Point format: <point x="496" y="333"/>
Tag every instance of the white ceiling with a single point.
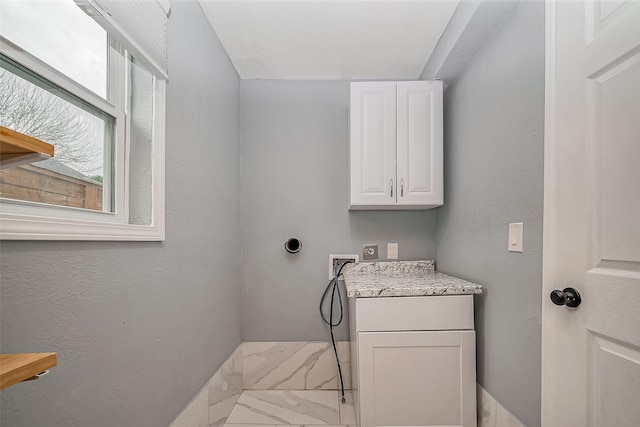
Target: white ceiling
<point x="324" y="40"/>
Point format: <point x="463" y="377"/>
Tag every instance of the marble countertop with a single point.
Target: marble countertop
<point x="403" y="278"/>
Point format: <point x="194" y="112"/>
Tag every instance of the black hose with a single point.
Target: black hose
<point x="333" y="285"/>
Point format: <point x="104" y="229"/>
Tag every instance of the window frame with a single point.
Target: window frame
<point x="23" y="220"/>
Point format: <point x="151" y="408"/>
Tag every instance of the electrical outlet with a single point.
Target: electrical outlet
<point x="341" y="259"/>
<point x="369" y="251"/>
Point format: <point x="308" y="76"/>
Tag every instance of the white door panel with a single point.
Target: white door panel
<point x="613" y="114"/>
<point x="591" y="354"/>
<point x="615" y="375"/>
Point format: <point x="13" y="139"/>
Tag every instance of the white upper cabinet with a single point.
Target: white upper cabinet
<point x="396" y="145"/>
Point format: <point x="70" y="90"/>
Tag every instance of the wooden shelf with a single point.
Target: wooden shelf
<point x="15" y="368"/>
<point x="16" y="148"/>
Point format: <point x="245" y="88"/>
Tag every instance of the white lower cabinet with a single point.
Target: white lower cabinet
<point x="417" y="376"/>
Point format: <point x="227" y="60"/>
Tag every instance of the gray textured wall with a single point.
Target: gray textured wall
<point x="140" y="327"/>
<point x="494" y="115"/>
<point x="295" y="183"/>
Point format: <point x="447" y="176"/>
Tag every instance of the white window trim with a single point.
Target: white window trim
<point x="35" y="221"/>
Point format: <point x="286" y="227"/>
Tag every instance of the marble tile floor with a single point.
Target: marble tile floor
<point x="276" y="408"/>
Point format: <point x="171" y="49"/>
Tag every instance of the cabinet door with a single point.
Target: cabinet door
<point x="419" y="143"/>
<point x="372" y="153"/>
<point x="417" y="378"/>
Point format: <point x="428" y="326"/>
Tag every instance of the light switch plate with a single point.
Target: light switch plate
<point x="392" y="251"/>
<point x="369" y="252"/>
<point x="515" y="236"/>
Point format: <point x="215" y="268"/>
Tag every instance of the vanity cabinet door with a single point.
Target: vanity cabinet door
<point x="424" y="378"/>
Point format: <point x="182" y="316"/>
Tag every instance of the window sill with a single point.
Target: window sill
<point x="22" y="227"/>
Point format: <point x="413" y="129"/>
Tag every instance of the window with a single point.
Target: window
<point x="82" y="84"/>
<point x="79" y="175"/>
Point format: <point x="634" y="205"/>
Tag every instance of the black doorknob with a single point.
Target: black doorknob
<point x="568" y="296"/>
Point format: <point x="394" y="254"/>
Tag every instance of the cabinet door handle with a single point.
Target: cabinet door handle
<point x="391" y="187"/>
<point x="401" y="187"/>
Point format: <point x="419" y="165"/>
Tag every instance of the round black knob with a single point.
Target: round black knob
<point x="568" y="296"/>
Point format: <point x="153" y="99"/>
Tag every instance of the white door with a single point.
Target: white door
<point x="372" y="152"/>
<point x="420" y="176"/>
<point x="591" y="354"/>
<point x="417" y="378"/>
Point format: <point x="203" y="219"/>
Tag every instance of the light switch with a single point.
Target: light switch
<point x="515" y="236"/>
<point x="392" y="251"/>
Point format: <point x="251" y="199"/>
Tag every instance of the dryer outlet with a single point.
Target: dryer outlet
<point x="341" y="259"/>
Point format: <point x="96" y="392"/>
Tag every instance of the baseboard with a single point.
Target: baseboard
<point x="492" y="414"/>
<point x="300" y="365"/>
<point x="303" y="365"/>
<point x="214" y="402"/>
